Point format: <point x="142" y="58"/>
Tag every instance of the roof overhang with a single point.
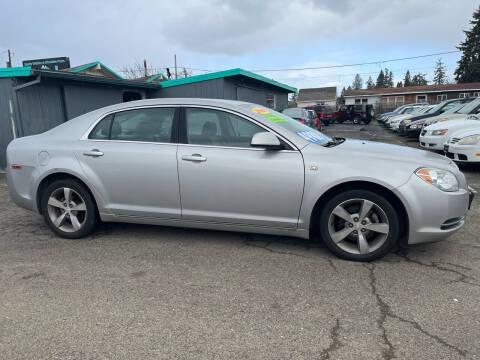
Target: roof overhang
<point x="224" y="74"/>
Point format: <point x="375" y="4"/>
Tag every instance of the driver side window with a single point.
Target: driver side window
<point x="219" y="128"/>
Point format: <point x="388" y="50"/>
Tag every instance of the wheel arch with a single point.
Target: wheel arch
<point x="362" y="185"/>
<point x="47" y="180"/>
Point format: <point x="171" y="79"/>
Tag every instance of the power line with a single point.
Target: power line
<point x="363" y="73"/>
<point x="359" y="64"/>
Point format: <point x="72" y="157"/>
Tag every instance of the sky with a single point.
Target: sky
<point x="212" y="35"/>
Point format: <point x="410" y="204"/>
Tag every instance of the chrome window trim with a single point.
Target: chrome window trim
<point x="84" y="137"/>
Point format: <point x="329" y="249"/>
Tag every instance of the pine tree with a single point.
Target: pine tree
<point x="419" y="80"/>
<point x="370" y="83"/>
<point x="380" y="80"/>
<point x="357" y="82"/>
<point x="468" y="69"/>
<point x="439" y="76"/>
<point x="399" y="84"/>
<point x="388" y="83"/>
<point x="407" y="81"/>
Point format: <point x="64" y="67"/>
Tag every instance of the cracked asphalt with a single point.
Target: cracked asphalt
<point x="146" y="292"/>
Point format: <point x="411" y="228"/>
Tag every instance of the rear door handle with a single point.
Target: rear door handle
<point x="194" y="157"/>
<point x="94" y="153"/>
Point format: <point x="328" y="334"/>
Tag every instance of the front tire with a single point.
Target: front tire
<point x="69" y="209"/>
<point x="359" y="225"/>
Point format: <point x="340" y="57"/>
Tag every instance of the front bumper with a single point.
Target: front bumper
<point x="432" y="142"/>
<point x="433" y="214"/>
<point x="413" y="133"/>
<point x="462" y="153"/>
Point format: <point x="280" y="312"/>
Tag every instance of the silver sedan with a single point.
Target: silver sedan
<point x="236" y="166"/>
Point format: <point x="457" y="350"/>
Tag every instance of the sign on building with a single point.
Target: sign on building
<point x="59" y="63"/>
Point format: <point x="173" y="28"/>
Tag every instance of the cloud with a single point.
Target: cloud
<point x="216" y="34"/>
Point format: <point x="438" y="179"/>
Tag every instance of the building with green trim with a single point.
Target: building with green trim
<point x="33" y="100"/>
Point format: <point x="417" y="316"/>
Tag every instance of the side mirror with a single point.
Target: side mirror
<point x="266" y="140"/>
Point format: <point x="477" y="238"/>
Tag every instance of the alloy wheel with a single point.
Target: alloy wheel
<point x="358" y="226"/>
<point x="67" y="209"/>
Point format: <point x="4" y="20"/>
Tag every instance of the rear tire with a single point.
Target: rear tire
<point x="359" y="225"/>
<point x="69" y="209"/>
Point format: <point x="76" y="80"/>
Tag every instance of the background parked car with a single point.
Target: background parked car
<point x="360" y="113"/>
<point x="413" y="126"/>
<point x="460" y="112"/>
<point x="436" y="135"/>
<point x="464" y="145"/>
<point x="405" y="111"/>
<point x="314" y="120"/>
<point x="325" y="114"/>
<point x="299" y="114"/>
<point x="383" y="116"/>
<point x="395" y="121"/>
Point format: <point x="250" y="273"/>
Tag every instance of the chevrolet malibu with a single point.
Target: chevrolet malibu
<point x="236" y="166"/>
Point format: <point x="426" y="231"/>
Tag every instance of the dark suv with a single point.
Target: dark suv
<point x="359" y="113"/>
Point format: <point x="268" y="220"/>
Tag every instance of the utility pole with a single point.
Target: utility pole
<point x="145" y="67"/>
<point x="9" y="62"/>
<point x="176" y="74"/>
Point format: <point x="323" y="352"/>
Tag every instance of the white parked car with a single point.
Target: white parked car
<point x="435" y="136"/>
<point x="395" y="120"/>
<point x="464" y="145"/>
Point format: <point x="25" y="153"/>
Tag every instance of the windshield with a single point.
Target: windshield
<point x="471" y="107"/>
<point x="294" y="112"/>
<point x="293" y="126"/>
<point x="454" y="109"/>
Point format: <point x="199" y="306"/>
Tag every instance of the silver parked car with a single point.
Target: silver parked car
<point x="236" y="166"/>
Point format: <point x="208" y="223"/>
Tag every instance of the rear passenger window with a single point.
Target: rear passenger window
<point x="219" y="128"/>
<point x="102" y="129"/>
<point x="148" y="125"/>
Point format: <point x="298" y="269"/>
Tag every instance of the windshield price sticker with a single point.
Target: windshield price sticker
<point x="310" y="136"/>
<point x="265" y="113"/>
<point x="274" y="118"/>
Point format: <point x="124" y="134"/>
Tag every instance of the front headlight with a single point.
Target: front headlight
<point x="415" y="126"/>
<point x="408" y="121"/>
<point x="442" y="179"/>
<point x="440" y="132"/>
<point x="470" y="140"/>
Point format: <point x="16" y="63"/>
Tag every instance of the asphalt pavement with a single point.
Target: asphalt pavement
<point x="147" y="292"/>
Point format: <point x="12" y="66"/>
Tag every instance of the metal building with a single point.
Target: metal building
<point x="34" y="100"/>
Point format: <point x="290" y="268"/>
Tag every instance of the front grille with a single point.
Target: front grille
<point x="454" y="140"/>
<point x="422" y="143"/>
<point x="424" y="132"/>
<point x="451" y="223"/>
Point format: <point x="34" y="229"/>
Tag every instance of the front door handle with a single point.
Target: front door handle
<point x="194" y="157"/>
<point x="94" y="153"/>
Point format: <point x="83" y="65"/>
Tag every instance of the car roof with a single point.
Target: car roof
<point x="77" y="127"/>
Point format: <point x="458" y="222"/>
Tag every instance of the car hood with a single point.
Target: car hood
<point x="401" y="117"/>
<point x="443" y="118"/>
<point x="389" y="153"/>
<point x="454" y="125"/>
<point x="471" y="130"/>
